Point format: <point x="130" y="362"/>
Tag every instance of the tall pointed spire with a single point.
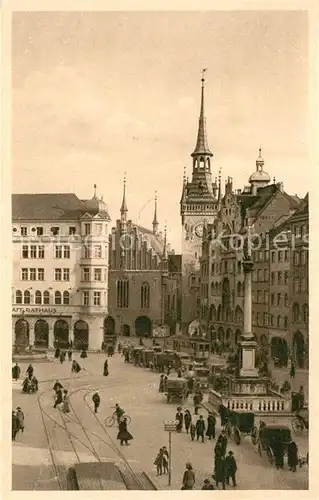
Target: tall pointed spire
<point x="124" y="205"/>
<point x="155" y="221"/>
<point x="201" y="147"/>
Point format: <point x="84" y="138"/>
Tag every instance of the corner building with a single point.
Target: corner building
<point x="60" y="270"/>
<point x="144" y="279"/>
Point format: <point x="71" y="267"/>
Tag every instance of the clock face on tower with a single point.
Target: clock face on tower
<point x="199" y="228"/>
<point x="194" y="230"/>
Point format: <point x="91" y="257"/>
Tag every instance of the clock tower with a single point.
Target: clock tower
<point x="198" y="206"/>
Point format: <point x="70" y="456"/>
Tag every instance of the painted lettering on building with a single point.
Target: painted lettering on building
<point x="34" y="310"/>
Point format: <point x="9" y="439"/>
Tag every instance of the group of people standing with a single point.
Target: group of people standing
<point x="199" y="429"/>
<point x="162" y="461"/>
<point x="61" y="397"/>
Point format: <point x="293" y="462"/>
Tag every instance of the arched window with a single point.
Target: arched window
<point x="26" y="297"/>
<point x="219" y="313"/>
<point x="66" y="298"/>
<point x="38" y="297"/>
<point x="145" y="297"/>
<point x="57" y="298"/>
<point x="212" y="288"/>
<point x="18" y="297"/>
<point x="305" y="313"/>
<point x="46" y="297"/>
<point x="296" y="312"/>
<point x="122" y="293"/>
<point x="239" y="315"/>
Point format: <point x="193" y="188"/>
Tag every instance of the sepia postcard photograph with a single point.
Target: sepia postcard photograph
<point x="159" y="249"/>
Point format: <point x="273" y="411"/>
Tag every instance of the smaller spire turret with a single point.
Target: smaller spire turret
<point x="95" y="188"/>
<point x="219" y="199"/>
<point x="124" y="205"/>
<point x="155" y="221"/>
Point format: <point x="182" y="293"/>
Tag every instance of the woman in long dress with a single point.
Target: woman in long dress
<point x="123" y="435"/>
<point x="106" y="368"/>
<point x="66" y="406"/>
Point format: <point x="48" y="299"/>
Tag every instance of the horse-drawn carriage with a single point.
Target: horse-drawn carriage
<point x="30" y="385"/>
<point x="163" y="360"/>
<point x="176" y="390"/>
<point x="241" y="423"/>
<point x="270" y="437"/>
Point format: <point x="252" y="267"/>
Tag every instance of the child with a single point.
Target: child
<point x="231" y="468"/>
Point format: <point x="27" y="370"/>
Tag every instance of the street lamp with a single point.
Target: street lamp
<point x="170" y="426"/>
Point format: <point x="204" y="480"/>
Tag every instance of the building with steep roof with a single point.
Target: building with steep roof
<point x="144" y="278"/>
<point x="60" y="274"/>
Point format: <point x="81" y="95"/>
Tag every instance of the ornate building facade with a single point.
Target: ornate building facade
<point x="266" y="208"/>
<point x="144" y="279"/>
<point x="60" y="270"/>
<point x="198" y="205"/>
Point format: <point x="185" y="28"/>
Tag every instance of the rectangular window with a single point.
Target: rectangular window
<point x="58" y="274"/>
<point x="260" y="275"/>
<point x="273" y="278"/>
<point x="271" y="320"/>
<point x="86" y="274"/>
<point x="253" y="296"/>
<point x="285" y="322"/>
<point x="260" y="297"/>
<point x="33" y="252"/>
<point x="297" y="259"/>
<point x="265" y="319"/>
<point x="286" y="300"/>
<point x="286" y="255"/>
<point x="266" y="275"/>
<point x="41" y="252"/>
<point x="66" y="251"/>
<point x="266" y="256"/>
<point x="25" y="252"/>
<point x="40" y="274"/>
<point x="87" y="229"/>
<point x="286" y="277"/>
<point x="72" y="230"/>
<point x="258" y="319"/>
<point x="278" y="299"/>
<point x="86" y="299"/>
<point x="39" y="231"/>
<point x="272" y="299"/>
<point x="24" y="274"/>
<point x="97" y="251"/>
<point x="66" y="274"/>
<point x="97" y="298"/>
<point x="24" y="231"/>
<point x="58" y="251"/>
<point x="98" y="228"/>
<point x="97" y="274"/>
<point x="55" y="230"/>
<point x="280" y="256"/>
<point x="87" y="252"/>
<point x="279" y="278"/>
<point x="122" y="293"/>
<point x="266" y="297"/>
<point x="33" y="274"/>
<point x="273" y="256"/>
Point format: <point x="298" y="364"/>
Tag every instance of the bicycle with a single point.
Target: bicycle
<point x="112" y="420"/>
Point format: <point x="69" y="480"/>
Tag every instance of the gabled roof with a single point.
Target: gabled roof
<point x="46" y="206"/>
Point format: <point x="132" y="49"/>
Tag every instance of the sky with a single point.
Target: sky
<point x="98" y="94"/>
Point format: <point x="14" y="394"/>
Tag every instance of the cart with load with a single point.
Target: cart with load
<point x="148" y="358"/>
<point x="201" y="375"/>
<point x="241" y="423"/>
<point x="163" y="360"/>
<point x="176" y="390"/>
<point x="271" y="436"/>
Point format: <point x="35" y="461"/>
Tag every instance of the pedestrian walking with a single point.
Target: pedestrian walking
<point x="187" y="420"/>
<point x="192" y="431"/>
<point x="20" y="417"/>
<point x="16" y="372"/>
<point x="292" y="451"/>
<point x="123" y="435"/>
<point x="161" y="383"/>
<point x="188" y="477"/>
<point x="70" y="354"/>
<point x="56" y="387"/>
<point x="190" y="385"/>
<point x="106" y="368"/>
<point x="279" y="455"/>
<point x="96" y="401"/>
<point x="165" y="460"/>
<point x="231" y="468"/>
<point x="196" y="400"/>
<point x="200" y="428"/>
<point x="57" y="353"/>
<point x="211" y="424"/>
<point x="62" y="357"/>
<point x="207" y="485"/>
<point x="165" y="383"/>
<point x="179" y="417"/>
<point x="83" y="354"/>
<point x="30" y="371"/>
<point x="159" y="462"/>
<point x="223" y="412"/>
<point x="66" y="406"/>
<point x="58" y="398"/>
<point x="15" y="426"/>
<point x="292" y="370"/>
<point x="220" y="471"/>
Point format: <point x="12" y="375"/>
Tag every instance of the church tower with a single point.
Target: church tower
<point x="198" y="206"/>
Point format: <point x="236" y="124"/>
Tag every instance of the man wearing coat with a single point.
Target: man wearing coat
<point x="231" y="468"/>
<point x="211" y="423"/>
<point x="292" y="451"/>
<point x="200" y="428"/>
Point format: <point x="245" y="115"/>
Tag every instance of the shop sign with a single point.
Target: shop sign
<point x="34" y="310"/>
